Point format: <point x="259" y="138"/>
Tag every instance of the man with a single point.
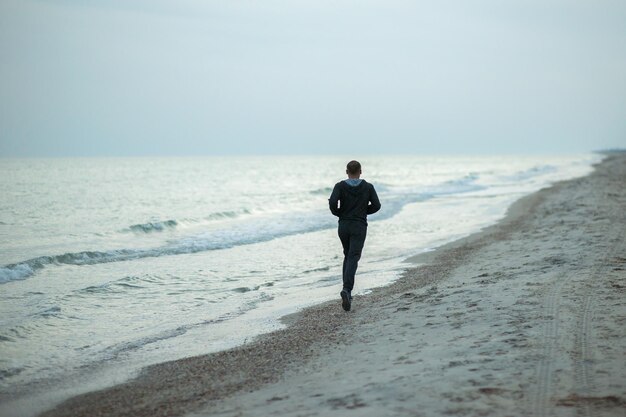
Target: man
<point x="352" y="200"/>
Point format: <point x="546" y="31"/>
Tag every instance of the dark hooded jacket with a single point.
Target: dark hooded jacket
<point x="355" y="202"/>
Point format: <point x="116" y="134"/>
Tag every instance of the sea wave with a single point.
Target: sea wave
<point x="153" y="226"/>
<point x="25" y="269"/>
<point x="246" y="231"/>
<point x="534" y="171"/>
<point x="140" y="342"/>
<point x="231" y="214"/>
<point x="322" y="191"/>
<point x="162" y="225"/>
<point x="16" y="272"/>
<point x="122" y="285"/>
<point x="464" y="184"/>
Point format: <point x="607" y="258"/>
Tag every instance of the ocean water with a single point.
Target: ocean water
<point x="108" y="265"/>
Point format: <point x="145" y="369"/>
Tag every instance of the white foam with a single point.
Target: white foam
<point x="15" y="273"/>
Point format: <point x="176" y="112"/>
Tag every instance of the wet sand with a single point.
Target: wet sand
<point x="527" y="317"/>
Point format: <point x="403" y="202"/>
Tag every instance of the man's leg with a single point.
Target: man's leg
<point x="344" y="236"/>
<point x="357" y="233"/>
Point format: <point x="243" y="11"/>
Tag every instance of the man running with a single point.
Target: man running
<point x="352" y="200"/>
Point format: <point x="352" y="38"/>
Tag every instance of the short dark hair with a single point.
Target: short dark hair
<point x="353" y="167"/>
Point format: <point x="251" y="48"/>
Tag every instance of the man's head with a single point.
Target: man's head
<point x="353" y="169"/>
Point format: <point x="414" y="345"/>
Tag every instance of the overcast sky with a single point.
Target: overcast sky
<point x="187" y="77"/>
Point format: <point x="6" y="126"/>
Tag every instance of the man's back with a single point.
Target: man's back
<point x="354" y="197"/>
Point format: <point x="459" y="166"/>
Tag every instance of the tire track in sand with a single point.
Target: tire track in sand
<point x="584" y="358"/>
<point x="543" y="392"/>
<point x="582" y="367"/>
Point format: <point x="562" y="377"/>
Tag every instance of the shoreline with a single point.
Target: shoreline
<point x="192" y="384"/>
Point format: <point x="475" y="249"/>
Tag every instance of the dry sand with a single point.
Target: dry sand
<point x="527" y="317"/>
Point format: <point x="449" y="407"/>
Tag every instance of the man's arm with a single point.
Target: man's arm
<point x="333" y="200"/>
<point x="374" y="205"/>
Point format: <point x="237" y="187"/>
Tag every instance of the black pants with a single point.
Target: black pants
<point x="352" y="234"/>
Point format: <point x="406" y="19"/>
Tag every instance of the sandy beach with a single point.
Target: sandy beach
<point x="527" y="317"/>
